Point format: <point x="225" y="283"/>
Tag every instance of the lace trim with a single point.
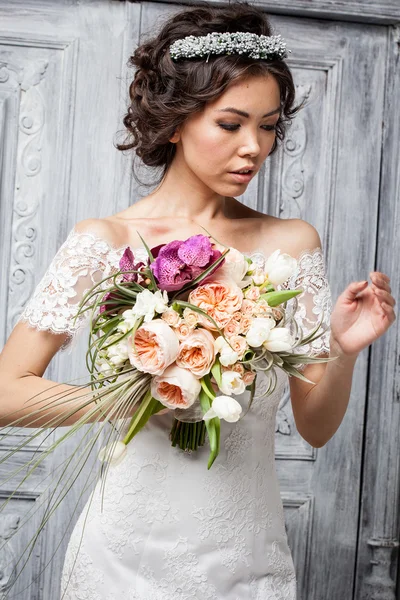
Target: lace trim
<point x="81" y="262"/>
<point x="85" y="258"/>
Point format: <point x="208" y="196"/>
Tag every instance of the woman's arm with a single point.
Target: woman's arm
<point x="320" y="411"/>
<point x="16" y="402"/>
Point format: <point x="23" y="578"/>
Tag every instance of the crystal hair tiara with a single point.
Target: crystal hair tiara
<point x="240" y="42"/>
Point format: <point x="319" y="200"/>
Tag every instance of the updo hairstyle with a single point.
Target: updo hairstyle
<point x="164" y="93"/>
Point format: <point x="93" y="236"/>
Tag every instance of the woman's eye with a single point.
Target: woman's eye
<point x="234" y="127"/>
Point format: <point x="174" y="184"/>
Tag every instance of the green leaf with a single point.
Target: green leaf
<point x="280" y="296"/>
<point x="216" y="371"/>
<point x="212" y="425"/>
<point x="148" y="407"/>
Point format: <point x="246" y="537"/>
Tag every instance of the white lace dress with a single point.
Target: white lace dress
<point x="169" y="529"/>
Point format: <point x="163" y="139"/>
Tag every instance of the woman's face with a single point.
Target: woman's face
<point x="213" y="143"/>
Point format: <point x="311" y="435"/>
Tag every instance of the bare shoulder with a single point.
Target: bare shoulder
<point x="291" y="235"/>
<point x="102" y="228"/>
<point x="306" y="235"/>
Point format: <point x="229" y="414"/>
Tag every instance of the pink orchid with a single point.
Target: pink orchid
<point x="180" y="262"/>
<point x="126" y="263"/>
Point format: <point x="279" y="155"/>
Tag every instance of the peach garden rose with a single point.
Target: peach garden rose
<point x="197" y="352"/>
<point x="156" y="347"/>
<point x="219" y="298"/>
<point x="176" y="387"/>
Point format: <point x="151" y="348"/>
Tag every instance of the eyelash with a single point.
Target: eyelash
<point x="235" y="127"/>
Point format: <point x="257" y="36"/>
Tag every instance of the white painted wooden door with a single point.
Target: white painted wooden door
<point x="62" y="97"/>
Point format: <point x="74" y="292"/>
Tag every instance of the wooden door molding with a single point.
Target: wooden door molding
<point x="377" y="560"/>
<point x="360" y="11"/>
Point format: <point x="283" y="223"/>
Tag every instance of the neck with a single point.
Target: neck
<point x="181" y="194"/>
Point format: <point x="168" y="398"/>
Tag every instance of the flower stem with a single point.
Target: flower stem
<point x="148" y="407"/>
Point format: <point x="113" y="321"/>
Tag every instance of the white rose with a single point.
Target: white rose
<point x="279" y="340"/>
<point x="113" y="452"/>
<point x="259" y="331"/>
<point x="232" y="383"/>
<point x="224" y="407"/>
<point x="279" y="267"/>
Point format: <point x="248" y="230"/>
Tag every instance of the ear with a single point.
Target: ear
<point x="176" y="136"/>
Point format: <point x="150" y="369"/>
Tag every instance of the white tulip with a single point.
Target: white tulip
<point x="259" y="331"/>
<point x="224" y="407"/>
<point x="232" y="383"/>
<point x="234" y="267"/>
<point x="279" y="340"/>
<point x="279" y="267"/>
<point x="113" y="452"/>
<point x="258" y="276"/>
<point x="228" y="356"/>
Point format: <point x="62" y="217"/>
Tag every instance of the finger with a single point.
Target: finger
<point x="385" y="296"/>
<point x="389" y="312"/>
<point x="380" y="281"/>
<point x="380" y="274"/>
<point x="354" y="288"/>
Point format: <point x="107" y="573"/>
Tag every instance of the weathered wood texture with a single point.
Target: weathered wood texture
<point x="359" y="11"/>
<point x="379" y="518"/>
<point x="63" y="91"/>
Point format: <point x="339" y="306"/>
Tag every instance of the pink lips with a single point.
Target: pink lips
<point x="242" y="177"/>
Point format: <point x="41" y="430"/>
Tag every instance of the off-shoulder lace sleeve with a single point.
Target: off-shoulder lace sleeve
<point x="80" y="262"/>
<point x="315" y="301"/>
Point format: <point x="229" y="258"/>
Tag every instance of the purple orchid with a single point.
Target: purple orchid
<point x="126" y="263"/>
<point x="179" y="262"/>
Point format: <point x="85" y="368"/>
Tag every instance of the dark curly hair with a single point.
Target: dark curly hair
<point x="164" y="93"/>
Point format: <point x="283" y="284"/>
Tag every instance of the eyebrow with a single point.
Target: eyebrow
<point x="243" y="113"/>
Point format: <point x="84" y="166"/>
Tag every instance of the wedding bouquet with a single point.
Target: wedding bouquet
<point x="200" y="322"/>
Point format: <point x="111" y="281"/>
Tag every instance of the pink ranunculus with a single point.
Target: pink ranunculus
<point x="232" y="328"/>
<point x="252" y="293"/>
<point x="190" y="316"/>
<point x="156" y="347"/>
<point x="237" y="315"/>
<point x="197" y="352"/>
<point x="248" y="377"/>
<point x="238" y="367"/>
<point x="171" y="317"/>
<point x="175" y="388"/>
<point x="183" y="330"/>
<point x="239" y="344"/>
<point x="219" y="299"/>
<point x="262" y="309"/>
<point x="245" y="323"/>
<point x="247" y="306"/>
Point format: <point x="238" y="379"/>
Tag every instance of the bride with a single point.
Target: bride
<point x="167" y="528"/>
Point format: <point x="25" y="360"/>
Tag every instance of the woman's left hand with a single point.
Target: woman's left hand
<point x="362" y="313"/>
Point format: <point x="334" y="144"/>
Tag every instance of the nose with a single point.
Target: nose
<point x="250" y="145"/>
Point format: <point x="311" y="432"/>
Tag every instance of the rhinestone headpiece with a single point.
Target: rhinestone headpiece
<point x="240" y="42"/>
